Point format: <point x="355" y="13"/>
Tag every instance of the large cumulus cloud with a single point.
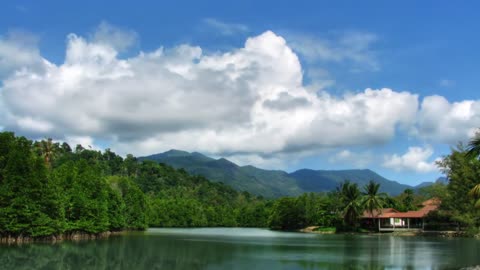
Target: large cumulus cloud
<point x="250" y="101"/>
<point x="448" y="122"/>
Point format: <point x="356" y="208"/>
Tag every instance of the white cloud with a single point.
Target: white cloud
<point x="358" y="160"/>
<point x="415" y="159"/>
<point x="366" y="118"/>
<point x="445" y="122"/>
<point x="351" y="47"/>
<point x="248" y="103"/>
<point x="18" y="52"/>
<point x="268" y="163"/>
<point x="120" y="39"/>
<point x="226" y="29"/>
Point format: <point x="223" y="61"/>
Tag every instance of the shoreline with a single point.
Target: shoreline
<point x="443" y="234"/>
<point x="83" y="236"/>
<point x="71" y="236"/>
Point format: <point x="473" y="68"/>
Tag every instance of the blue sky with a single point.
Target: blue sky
<point x="294" y="95"/>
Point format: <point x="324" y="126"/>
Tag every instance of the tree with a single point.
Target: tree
<point x="29" y="202"/>
<point x="463" y="173"/>
<point x="350" y="195"/>
<point x="474" y="152"/>
<point x="47" y="150"/>
<point x="130" y="165"/>
<point x="372" y="200"/>
<point x="407" y="200"/>
<point x="88" y="200"/>
<point x="287" y="215"/>
<point x="473" y="148"/>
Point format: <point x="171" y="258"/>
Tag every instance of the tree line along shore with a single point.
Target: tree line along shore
<point x="51" y="191"/>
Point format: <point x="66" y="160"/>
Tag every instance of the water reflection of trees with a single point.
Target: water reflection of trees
<point x="193" y="252"/>
<point x="118" y="253"/>
<point x="133" y="252"/>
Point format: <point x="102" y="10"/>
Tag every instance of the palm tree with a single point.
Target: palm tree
<point x="474" y="152"/>
<point x="473" y="148"/>
<point x="47" y="149"/>
<point x="372" y="200"/>
<point x="475" y="193"/>
<point x="408" y="199"/>
<point x="350" y="195"/>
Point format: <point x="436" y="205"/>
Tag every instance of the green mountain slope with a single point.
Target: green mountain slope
<point x="270" y="183"/>
<point x="248" y="178"/>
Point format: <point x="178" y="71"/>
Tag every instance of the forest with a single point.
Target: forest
<point x="49" y="188"/>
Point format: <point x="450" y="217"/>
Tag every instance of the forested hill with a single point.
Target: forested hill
<point x="248" y="178"/>
<point x="270" y="183"/>
<point x="48" y="188"/>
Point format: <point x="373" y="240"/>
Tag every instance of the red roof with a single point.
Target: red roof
<point x="379" y="213"/>
<point x="428" y="205"/>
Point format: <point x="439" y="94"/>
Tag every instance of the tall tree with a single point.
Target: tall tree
<point x="406" y="200"/>
<point x="473" y="148"/>
<point x="350" y="195"/>
<point x="48" y="150"/>
<point x="372" y="200"/>
<point x="463" y="173"/>
<point x="474" y="152"/>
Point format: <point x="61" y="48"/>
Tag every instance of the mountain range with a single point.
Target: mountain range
<point x="272" y="183"/>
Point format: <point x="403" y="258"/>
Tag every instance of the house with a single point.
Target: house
<point x="389" y="219"/>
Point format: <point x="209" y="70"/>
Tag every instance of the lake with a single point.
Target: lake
<point x="240" y="248"/>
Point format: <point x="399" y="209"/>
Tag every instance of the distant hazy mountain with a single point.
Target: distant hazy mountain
<point x="423" y="184"/>
<point x="325" y="180"/>
<point x="440" y="180"/>
<point x="270" y="183"/>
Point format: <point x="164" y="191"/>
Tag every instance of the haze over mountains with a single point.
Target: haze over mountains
<point x="272" y="183"/>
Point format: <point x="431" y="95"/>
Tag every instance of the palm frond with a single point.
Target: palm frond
<point x="475" y="191"/>
<point x="477" y="204"/>
<point x="473" y="148"/>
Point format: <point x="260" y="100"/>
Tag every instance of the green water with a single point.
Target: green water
<point x="230" y="248"/>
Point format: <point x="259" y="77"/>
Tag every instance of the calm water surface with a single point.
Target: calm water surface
<point x="231" y="248"/>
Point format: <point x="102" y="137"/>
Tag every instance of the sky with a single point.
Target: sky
<point x="388" y="86"/>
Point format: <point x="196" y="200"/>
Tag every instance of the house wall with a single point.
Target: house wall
<point x="398" y="221"/>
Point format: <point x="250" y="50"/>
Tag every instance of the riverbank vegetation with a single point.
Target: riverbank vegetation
<point x="49" y="189"/>
<point x="459" y="210"/>
<point x="460" y="199"/>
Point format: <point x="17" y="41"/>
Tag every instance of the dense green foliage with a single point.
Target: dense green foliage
<point x="321" y="209"/>
<point x="177" y="199"/>
<point x="474" y="153"/>
<point x="47" y="189"/>
<point x="463" y="173"/>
